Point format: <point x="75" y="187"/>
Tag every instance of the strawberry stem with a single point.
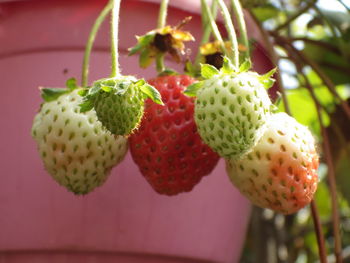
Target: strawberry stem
<point x="319" y="234"/>
<point x="206" y="28"/>
<point x="231" y="32"/>
<point x="237" y="10"/>
<point x="114" y="38"/>
<point x="90" y="42"/>
<point x="213" y="25"/>
<point x="163" y="11"/>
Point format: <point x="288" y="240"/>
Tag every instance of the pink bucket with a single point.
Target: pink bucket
<point x="41" y="44"/>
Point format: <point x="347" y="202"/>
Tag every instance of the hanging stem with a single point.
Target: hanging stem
<point x="163" y="10"/>
<point x="162" y="13"/>
<point x="237" y="10"/>
<point x="206" y="28"/>
<point x="275" y="59"/>
<point x="114" y="38"/>
<point x="90" y="42"/>
<point x="231" y="32"/>
<point x="213" y="26"/>
<point x="319" y="234"/>
<point x="326" y="147"/>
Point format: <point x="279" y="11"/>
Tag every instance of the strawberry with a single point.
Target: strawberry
<point x="280" y="172"/>
<point x="167" y="148"/>
<point x="119" y="102"/>
<point x="77" y="152"/>
<point x="232" y="107"/>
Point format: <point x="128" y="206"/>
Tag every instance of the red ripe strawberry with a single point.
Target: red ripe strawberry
<point x="167" y="148"/>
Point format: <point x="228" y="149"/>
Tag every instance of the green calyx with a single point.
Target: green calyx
<point x="119" y="102"/>
<point x="51" y="94"/>
<point x="209" y="71"/>
<point x="117" y="86"/>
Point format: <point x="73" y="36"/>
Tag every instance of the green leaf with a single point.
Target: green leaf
<point x="152" y="93"/>
<point x="303" y="107"/>
<point x="322" y="200"/>
<point x="245" y="66"/>
<point x="342" y="167"/>
<point x="191" y="90"/>
<point x="71" y="84"/>
<point x="265" y="12"/>
<point x="51" y="94"/>
<point x="333" y="63"/>
<point x="227" y="66"/>
<point x="208" y="71"/>
<point x="87" y="105"/>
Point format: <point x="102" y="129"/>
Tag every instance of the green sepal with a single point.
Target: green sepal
<point x="106" y="88"/>
<point x="145" y="58"/>
<point x="71" y="84"/>
<point x="152" y="93"/>
<point x="227" y="66"/>
<point x="83" y="92"/>
<point x="118" y="86"/>
<point x="269" y="74"/>
<point x="87" y="105"/>
<point x="191" y="90"/>
<point x="278" y="102"/>
<point x="245" y="66"/>
<point x="191" y="70"/>
<point x="168" y="72"/>
<point x="208" y="71"/>
<point x="142" y="42"/>
<point x="266" y="79"/>
<point x="51" y="94"/>
<point x="268" y="83"/>
<point x="122" y="87"/>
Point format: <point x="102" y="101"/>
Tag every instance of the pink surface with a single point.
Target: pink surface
<point x="41" y="45"/>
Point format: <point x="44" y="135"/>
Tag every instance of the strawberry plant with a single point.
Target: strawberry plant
<point x="118" y="100"/>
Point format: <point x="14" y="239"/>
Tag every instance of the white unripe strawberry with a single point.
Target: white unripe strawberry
<point x="77" y="152"/>
<point x="231" y="109"/>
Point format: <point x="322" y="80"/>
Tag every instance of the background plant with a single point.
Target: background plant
<point x="311" y="46"/>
